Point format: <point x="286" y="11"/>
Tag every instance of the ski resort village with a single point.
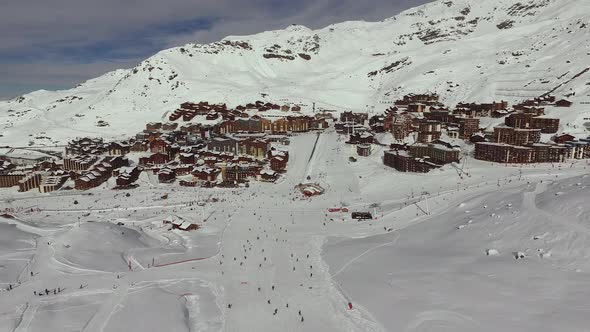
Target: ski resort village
<point x="429" y="172"/>
<point x="251" y="142"/>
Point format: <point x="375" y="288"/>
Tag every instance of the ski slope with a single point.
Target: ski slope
<point x="420" y="265"/>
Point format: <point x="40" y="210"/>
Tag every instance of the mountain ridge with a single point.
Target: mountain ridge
<point x="462" y="50"/>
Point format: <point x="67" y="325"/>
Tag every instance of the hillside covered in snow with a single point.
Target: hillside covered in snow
<point x="464" y="50"/>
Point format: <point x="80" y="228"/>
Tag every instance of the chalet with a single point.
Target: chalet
<point x="187" y="158"/>
<point x="563" y="138"/>
<point x="140" y="146"/>
<point x="115" y="161"/>
<point x="154" y="159"/>
<point x="94" y="177"/>
<point x="127" y="176"/>
<point x="153" y="126"/>
<point x="480" y="110"/>
<point x="428" y="99"/>
<point x="563" y="103"/>
<point x="268" y="175"/>
<point x="499" y="113"/>
<point x="377" y="123"/>
<point x="181" y="169"/>
<point x="316" y="123"/>
<point x="159" y="146"/>
<point x="170" y="126"/>
<point x="180" y="223"/>
<point x="7" y="166"/>
<point x="356" y="118"/>
<point x="86" y="145"/>
<point x="278" y="164"/>
<point x="212" y="116"/>
<point x="278" y="153"/>
<point x="536" y="111"/>
<point x="477" y="138"/>
<point x="205" y="173"/>
<point x="187" y="227"/>
<point x="192" y="128"/>
<point x="166" y="175"/>
<point x="119" y="148"/>
<point x="152" y="136"/>
<point x="361" y="138"/>
<point x="311" y="189"/>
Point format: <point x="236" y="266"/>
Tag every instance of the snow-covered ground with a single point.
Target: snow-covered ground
<point x="421" y="265"/>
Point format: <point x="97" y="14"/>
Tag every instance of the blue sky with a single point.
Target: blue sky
<point x="55" y="44"/>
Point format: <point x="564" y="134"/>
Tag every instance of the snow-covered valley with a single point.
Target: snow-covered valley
<point x="422" y="264"/>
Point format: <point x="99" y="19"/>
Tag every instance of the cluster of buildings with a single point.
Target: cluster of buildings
<point x="46" y="176"/>
<point x="226" y="153"/>
<point x="239" y="119"/>
<point x="426" y="117"/>
<point x="519" y="139"/>
<point x="219" y="160"/>
<point x="422" y="126"/>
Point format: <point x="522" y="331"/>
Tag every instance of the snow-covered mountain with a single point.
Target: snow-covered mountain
<point x="464" y="50"/>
